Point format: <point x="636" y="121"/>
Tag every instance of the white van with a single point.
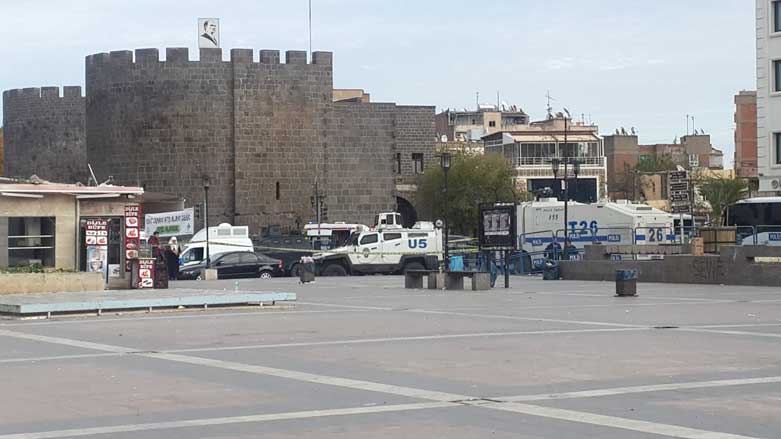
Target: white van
<point x="222" y="239"/>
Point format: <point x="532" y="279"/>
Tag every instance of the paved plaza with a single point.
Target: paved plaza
<point x="363" y="358"/>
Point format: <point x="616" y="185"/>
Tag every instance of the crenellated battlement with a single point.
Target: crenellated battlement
<point x="44" y="93"/>
<point x="181" y="56"/>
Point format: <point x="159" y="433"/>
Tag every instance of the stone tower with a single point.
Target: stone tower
<point x="45" y="134"/>
<point x="256" y="129"/>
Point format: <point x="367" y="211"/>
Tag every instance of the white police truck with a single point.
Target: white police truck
<point x="541" y="224"/>
<point x="386" y="248"/>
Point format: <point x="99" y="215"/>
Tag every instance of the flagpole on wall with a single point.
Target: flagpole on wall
<point x="310" y="29"/>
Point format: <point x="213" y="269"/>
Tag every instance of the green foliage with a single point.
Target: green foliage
<point x="471" y="180"/>
<point x="721" y="193"/>
<point x="655" y="164"/>
<point x="32" y="268"/>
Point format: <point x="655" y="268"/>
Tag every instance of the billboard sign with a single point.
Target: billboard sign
<point x="678" y="189"/>
<point x="171" y="223"/>
<point x="498" y="226"/>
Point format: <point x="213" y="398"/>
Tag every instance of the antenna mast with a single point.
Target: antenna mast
<point x="549" y="108"/>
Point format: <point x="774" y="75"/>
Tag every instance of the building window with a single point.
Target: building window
<point x="417" y="162"/>
<point x="492" y="124"/>
<point x="694" y="161"/>
<point x="777" y="76"/>
<point x="775" y="11"/>
<point x="398" y="163"/>
<point x="31" y="241"/>
<point x="277" y="191"/>
<point x="777" y="144"/>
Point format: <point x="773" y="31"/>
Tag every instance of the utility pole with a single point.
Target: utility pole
<point x="317" y="203"/>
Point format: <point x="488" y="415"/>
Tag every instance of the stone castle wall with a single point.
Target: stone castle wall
<point x="264" y="132"/>
<point x="44" y="134"/>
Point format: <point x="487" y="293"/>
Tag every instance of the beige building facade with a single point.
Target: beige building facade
<point x="532" y="149"/>
<point x="45" y="223"/>
<point x="768" y="27"/>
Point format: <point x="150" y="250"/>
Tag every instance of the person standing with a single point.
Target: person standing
<point x="172" y="258"/>
<point x="154" y="243"/>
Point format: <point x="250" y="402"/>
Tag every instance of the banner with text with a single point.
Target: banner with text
<point x="170" y="223"/>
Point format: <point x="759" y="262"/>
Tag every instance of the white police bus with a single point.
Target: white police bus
<point x="541" y="226"/>
<point x="758" y="220"/>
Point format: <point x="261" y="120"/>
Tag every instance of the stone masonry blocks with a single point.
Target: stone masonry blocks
<point x="45" y="134"/>
<point x="295" y="57"/>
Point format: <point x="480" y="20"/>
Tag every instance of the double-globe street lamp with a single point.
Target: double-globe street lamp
<point x="555" y="165"/>
<point x="446" y="163"/>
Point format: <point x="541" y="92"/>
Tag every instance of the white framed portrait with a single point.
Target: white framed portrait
<point x="209" y="33"/>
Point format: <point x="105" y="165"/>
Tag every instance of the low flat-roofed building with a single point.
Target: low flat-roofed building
<point x="46" y="223"/>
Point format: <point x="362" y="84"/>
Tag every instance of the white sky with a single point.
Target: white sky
<point x="624" y="63"/>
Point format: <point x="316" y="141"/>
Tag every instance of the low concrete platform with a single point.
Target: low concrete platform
<point x="25" y="305"/>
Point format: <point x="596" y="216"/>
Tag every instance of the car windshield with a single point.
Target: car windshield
<point x="353" y="239"/>
<point x="193" y="255"/>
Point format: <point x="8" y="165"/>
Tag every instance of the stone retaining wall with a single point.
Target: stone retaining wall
<point x="17" y="283"/>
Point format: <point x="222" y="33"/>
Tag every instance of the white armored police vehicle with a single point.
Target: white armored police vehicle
<point x="386" y="248"/>
<point x="541" y="223"/>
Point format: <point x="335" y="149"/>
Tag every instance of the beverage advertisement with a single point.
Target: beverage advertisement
<point x="146" y="273"/>
<point x="96" y="239"/>
<point x="132" y="234"/>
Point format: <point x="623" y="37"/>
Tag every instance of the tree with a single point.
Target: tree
<point x="655" y="164"/>
<point x="471" y="180"/>
<point x="721" y="193"/>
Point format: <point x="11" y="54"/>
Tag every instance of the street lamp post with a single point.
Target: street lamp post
<point x="446" y="158"/>
<point x="576" y="171"/>
<point x="206" y="184"/>
<point x="566" y="183"/>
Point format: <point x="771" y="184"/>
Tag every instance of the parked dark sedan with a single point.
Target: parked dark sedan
<point x="235" y="265"/>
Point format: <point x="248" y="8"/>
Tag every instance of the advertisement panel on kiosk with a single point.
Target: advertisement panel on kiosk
<point x="498" y="226"/>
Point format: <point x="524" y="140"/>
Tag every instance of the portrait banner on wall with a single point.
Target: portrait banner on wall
<point x="209" y="33"/>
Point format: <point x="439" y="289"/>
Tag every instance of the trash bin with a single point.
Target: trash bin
<point x="551" y="271"/>
<point x="306" y="272"/>
<point x="626" y="283"/>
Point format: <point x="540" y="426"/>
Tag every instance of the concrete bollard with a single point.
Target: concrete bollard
<point x="481" y="282"/>
<point x="209" y="274"/>
<point x="436" y="281"/>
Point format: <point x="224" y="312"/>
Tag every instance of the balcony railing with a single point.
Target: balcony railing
<point x="545" y="162"/>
